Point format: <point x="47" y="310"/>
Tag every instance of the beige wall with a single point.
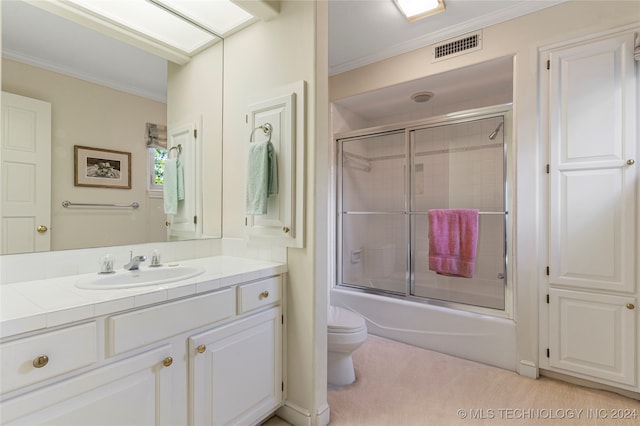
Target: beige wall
<point x="265" y="56"/>
<point x="194" y="95"/>
<point x="88" y="114"/>
<point x="522" y="38"/>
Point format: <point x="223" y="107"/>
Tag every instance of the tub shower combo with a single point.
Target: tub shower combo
<point x="388" y="179"/>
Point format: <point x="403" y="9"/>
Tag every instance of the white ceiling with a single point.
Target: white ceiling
<point x="40" y="38"/>
<point x="360" y="32"/>
<point x="366" y="31"/>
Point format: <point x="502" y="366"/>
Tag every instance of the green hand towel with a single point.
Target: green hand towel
<point x="262" y="177"/>
<point x="180" y="180"/>
<point x="170" y="186"/>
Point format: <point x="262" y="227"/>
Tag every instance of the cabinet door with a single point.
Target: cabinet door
<point x="236" y="371"/>
<point x="593" y="119"/>
<point x="283" y="111"/>
<point x="593" y="334"/>
<point x="135" y="391"/>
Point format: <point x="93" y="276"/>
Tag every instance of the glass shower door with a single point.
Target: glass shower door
<point x="374" y="226"/>
<point x="460" y="166"/>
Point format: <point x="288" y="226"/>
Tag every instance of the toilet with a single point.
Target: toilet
<point x="346" y="332"/>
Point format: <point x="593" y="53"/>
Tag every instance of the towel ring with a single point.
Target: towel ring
<point x="266" y="129"/>
<point x="177" y="147"/>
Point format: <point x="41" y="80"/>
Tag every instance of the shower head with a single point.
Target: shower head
<point x="493" y="134"/>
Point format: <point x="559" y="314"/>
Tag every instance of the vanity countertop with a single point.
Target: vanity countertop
<point x="34" y="305"/>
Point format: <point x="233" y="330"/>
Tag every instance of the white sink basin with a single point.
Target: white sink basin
<point x="139" y="278"/>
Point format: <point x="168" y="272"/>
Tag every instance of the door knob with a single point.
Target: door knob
<point x="631" y="162"/>
<point x="201" y="349"/>
<point x="285" y="229"/>
<point x="630" y="306"/>
<point x="167" y="361"/>
<point x="42" y="229"/>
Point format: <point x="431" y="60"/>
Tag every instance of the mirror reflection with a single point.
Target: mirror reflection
<point x="78" y="88"/>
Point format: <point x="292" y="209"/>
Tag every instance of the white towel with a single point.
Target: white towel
<point x="170" y="186"/>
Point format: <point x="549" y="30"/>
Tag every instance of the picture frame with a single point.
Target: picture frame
<point x="102" y="168"/>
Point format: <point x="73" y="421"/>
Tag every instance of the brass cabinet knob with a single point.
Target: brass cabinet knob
<point x="263" y="295"/>
<point x="630" y="306"/>
<point x="40" y="361"/>
<point x="167" y="361"/>
<point x="285" y="229"/>
<point x="631" y="162"/>
<point x="42" y="229"/>
<point x="201" y="349"/>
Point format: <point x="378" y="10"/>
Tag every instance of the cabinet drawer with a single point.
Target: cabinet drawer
<point x="23" y="361"/>
<point x="140" y="328"/>
<point x="260" y="293"/>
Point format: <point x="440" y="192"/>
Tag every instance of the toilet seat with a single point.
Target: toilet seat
<point x="343" y="321"/>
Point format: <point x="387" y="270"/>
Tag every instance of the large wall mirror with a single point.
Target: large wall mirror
<point x="102" y="93"/>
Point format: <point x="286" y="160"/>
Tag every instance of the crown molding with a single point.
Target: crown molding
<point x="70" y="72"/>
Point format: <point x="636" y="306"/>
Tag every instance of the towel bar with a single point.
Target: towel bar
<point x="415" y="213"/>
<point x="66" y="204"/>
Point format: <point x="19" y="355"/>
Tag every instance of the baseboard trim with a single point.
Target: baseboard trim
<point x="323" y="416"/>
<point x="589" y="384"/>
<point x="528" y="369"/>
<point x="299" y="416"/>
<point x="294" y="414"/>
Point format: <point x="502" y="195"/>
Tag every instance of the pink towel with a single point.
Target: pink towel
<point x="453" y="239"/>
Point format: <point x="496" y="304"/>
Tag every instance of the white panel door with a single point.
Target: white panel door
<point x="25" y="175"/>
<point x="593" y="334"/>
<point x="593" y="173"/>
<point x="284" y="109"/>
<point x="187" y="223"/>
<point x="279" y="113"/>
<point x="236" y="371"/>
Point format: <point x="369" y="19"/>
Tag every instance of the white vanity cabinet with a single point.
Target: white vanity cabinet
<point x="213" y="358"/>
<point x="134" y="391"/>
<point x="236" y="373"/>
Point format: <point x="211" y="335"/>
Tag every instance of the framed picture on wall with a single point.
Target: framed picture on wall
<point x="104" y="168"/>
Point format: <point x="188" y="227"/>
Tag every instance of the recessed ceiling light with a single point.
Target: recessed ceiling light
<point x="186" y="25"/>
<point x="417" y="9"/>
<point x="421" y="96"/>
<point x="219" y="16"/>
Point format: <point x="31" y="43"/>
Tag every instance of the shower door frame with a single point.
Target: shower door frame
<point x="407" y="128"/>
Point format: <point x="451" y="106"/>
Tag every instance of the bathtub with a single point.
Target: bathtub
<point x="473" y="336"/>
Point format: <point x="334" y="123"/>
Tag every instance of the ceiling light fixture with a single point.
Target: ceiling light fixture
<point x="418" y="9"/>
<point x="421" y="96"/>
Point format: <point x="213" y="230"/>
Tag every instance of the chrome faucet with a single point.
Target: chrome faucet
<point x="134" y="261"/>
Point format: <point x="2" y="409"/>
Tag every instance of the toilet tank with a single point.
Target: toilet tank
<point x="379" y="260"/>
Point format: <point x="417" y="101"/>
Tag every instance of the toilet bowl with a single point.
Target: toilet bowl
<point x="346" y="332"/>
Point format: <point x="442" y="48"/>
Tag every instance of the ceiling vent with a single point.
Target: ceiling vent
<point x="458" y="46"/>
